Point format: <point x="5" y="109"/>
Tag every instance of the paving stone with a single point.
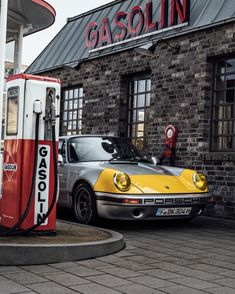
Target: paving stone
<point x="165" y="250"/>
<point x="130" y="247"/>
<point x="225" y="251"/>
<point x="215" y="262"/>
<point x="38" y="269"/>
<point x="192" y="250"/>
<point x="110" y="259"/>
<point x="199" y="274"/>
<point x="205" y="267"/>
<point x="25" y="278"/>
<point x="93" y="263"/>
<point x="152" y="282"/>
<point x="133" y="265"/>
<point x="171" y="267"/>
<point x="179" y="289"/>
<point x="124" y="253"/>
<point x="82" y="271"/>
<point x="184" y="255"/>
<point x="194" y="283"/>
<point x="219" y="257"/>
<point x="140" y="259"/>
<point x="122" y="272"/>
<point x="147" y="253"/>
<point x="50" y="288"/>
<point x="10" y="269"/>
<point x="229" y="274"/>
<point x="108" y="280"/>
<point x="138" y="289"/>
<point x="221" y="290"/>
<point x="8" y="286"/>
<point x="161" y="274"/>
<point x="155" y="264"/>
<point x="198" y="246"/>
<point x="177" y="260"/>
<point x="3" y="278"/>
<point x="66" y="279"/>
<point x="63" y="265"/>
<point x="229" y="282"/>
<point x="94" y="289"/>
<point x="30" y="292"/>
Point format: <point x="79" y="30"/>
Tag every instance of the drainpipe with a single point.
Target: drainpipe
<point x="3" y="32"/>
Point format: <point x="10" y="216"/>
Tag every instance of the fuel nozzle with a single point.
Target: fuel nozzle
<point x="53" y="113"/>
<point x="50" y="112"/>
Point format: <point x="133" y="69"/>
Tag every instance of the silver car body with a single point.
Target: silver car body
<point x="111" y="205"/>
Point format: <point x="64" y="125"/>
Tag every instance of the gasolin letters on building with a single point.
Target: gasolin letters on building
<point x="139" y="20"/>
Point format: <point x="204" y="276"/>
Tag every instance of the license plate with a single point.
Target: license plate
<point x="174" y="211"/>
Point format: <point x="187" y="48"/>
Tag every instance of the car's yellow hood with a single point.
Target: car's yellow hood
<point x="152" y="183"/>
<point x="166" y="184"/>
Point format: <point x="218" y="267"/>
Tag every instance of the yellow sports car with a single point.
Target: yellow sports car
<point x="104" y="176"/>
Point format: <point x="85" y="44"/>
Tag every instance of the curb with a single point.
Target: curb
<point x="29" y="254"/>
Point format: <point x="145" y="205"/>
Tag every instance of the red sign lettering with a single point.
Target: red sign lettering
<point x="118" y="24"/>
<point x="92" y="36"/>
<point x="136" y="14"/>
<point x="179" y="10"/>
<point x="137" y="21"/>
<point x="164" y="14"/>
<point x="149" y="24"/>
<point x="105" y="33"/>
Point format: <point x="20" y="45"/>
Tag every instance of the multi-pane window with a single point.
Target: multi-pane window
<point x="71" y="111"/>
<point x="223" y="113"/>
<point x="139" y="102"/>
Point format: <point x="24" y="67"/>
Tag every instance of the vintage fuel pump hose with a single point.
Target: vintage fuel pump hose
<point x="53" y="202"/>
<point x="14" y="230"/>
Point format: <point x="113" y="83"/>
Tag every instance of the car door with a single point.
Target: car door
<point x="63" y="171"/>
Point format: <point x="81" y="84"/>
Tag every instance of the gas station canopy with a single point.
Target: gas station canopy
<point x="19" y="18"/>
<point x="34" y="15"/>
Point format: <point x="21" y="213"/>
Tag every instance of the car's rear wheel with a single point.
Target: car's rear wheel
<point x="84" y="206"/>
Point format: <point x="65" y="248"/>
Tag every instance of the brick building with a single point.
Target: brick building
<point x="185" y="78"/>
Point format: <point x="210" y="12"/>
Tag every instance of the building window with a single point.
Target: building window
<point x="139" y="102"/>
<point x="223" y="112"/>
<point x="71" y="111"/>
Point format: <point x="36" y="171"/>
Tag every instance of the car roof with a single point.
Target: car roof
<point x="87" y="135"/>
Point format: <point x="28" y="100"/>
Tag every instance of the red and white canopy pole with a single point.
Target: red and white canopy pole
<point x="3" y="32"/>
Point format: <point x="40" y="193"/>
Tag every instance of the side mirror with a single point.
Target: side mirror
<point x="60" y="160"/>
<point x="155" y="160"/>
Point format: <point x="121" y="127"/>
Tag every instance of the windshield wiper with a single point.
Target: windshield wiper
<point x="123" y="160"/>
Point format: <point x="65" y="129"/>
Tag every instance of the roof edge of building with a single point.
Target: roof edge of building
<point x="178" y="34"/>
<point x="111" y="3"/>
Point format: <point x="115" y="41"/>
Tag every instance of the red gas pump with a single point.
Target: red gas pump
<point x="29" y="182"/>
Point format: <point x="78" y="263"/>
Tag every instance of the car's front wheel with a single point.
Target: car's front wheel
<point x="84" y="206"/>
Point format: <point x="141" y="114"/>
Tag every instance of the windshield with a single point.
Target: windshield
<point x="84" y="149"/>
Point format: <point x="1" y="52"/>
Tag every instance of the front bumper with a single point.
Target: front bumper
<point x="117" y="206"/>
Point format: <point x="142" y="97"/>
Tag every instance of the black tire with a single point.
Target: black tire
<point x="84" y="205"/>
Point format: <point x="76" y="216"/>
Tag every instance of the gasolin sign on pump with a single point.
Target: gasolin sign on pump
<point x="31" y="106"/>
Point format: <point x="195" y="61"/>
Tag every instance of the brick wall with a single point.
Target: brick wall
<point x="180" y="94"/>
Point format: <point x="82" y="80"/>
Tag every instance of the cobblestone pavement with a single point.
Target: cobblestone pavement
<point x="193" y="258"/>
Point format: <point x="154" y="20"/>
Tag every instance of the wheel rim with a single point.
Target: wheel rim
<point x="83" y="205"/>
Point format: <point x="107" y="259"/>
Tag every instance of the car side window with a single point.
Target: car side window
<point x="72" y="152"/>
<point x="62" y="149"/>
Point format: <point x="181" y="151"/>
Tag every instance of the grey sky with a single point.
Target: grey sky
<point x="34" y="44"/>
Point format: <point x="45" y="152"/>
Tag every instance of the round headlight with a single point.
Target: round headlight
<point x="200" y="181"/>
<point x="122" y="181"/>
